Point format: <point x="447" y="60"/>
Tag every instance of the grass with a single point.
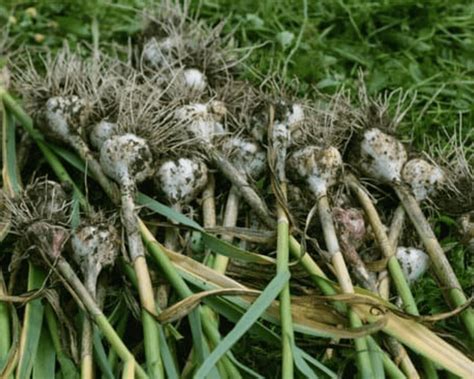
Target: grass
<point x="422" y="47"/>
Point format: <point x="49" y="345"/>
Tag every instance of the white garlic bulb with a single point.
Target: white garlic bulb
<point x="126" y="157"/>
<point x="414" y="262"/>
<point x="295" y="115"/>
<point x="200" y="121"/>
<point x="320" y="168"/>
<point x="194" y="80"/>
<point x="157" y="53"/>
<point x="423" y="178"/>
<point x="382" y="156"/>
<point x="101" y="132"/>
<point x="181" y="180"/>
<point x="59" y="113"/>
<point x="94" y="247"/>
<point x="246" y="156"/>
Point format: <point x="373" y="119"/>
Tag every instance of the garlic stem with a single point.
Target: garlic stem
<point x="241" y="182"/>
<point x="387" y="246"/>
<point x="209" y="202"/>
<point x="440" y="263"/>
<point x="230" y="220"/>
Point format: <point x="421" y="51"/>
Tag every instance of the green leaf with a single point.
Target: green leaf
<point x="5" y="331"/>
<point x="11" y="179"/>
<point x="225" y="248"/>
<point x="316" y="363"/>
<point x="168" y="212"/>
<point x="376" y="359"/>
<point x="212" y="242"/>
<point x="248" y="319"/>
<point x="32" y="323"/>
<point x="45" y="363"/>
<point x="167" y="356"/>
<point x="100" y="357"/>
<point x="301" y="364"/>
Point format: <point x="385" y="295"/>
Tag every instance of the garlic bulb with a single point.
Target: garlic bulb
<point x="158" y="53"/>
<point x="94" y="247"/>
<point x="414" y="262"/>
<point x="318" y="167"/>
<point x="194" y="80"/>
<point x="246" y="156"/>
<point x="295" y="116"/>
<point x="382" y="156"/>
<point x="201" y="120"/>
<point x="423" y="178"/>
<point x="61" y="113"/>
<point x="101" y="132"/>
<point x="181" y="180"/>
<point x="126" y="157"/>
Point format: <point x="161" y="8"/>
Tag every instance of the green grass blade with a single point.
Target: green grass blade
<point x="287" y="340"/>
<point x="233" y="313"/>
<point x="167" y="358"/>
<point x="250" y="317"/>
<point x="229" y="250"/>
<point x="45" y="362"/>
<point x="31" y="331"/>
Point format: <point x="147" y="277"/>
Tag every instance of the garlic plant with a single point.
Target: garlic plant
<point x="174" y="39"/>
<point x="279" y="138"/>
<point x="126" y="157"/>
<point x="101" y="132"/>
<point x="423" y="178"/>
<point x="180" y="181"/>
<point x="204" y="123"/>
<point x="41" y="218"/>
<point x="64" y="100"/>
<point x="350" y="226"/>
<point x="95" y="246"/>
<point x="319" y="168"/>
<point x="250" y="160"/>
<point x="383" y="158"/>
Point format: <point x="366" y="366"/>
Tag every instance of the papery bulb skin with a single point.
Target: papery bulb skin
<point x="158" y="53"/>
<point x="423" y="178"/>
<point x="382" y="156"/>
<point x="126" y="157"/>
<point x="246" y="156"/>
<point x="194" y="79"/>
<point x="95" y="245"/>
<point x="295" y="115"/>
<point x="181" y="180"/>
<point x="101" y="132"/>
<point x="62" y="115"/>
<point x="200" y="122"/>
<point x="414" y="262"/>
<point x="318" y="167"/>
